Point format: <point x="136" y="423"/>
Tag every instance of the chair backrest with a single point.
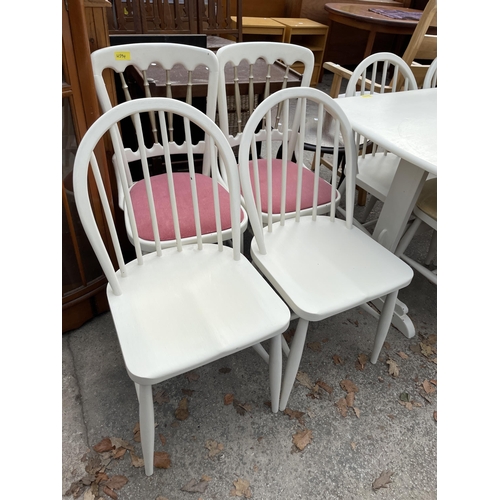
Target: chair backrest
<point x="430" y="80"/>
<point x="253" y="70"/>
<point x="217" y="146"/>
<point x="422" y="45"/>
<point x="131" y="63"/>
<point x="295" y="104"/>
<point x="214" y="18"/>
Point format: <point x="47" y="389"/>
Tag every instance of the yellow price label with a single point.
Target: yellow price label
<point x="122" y="56"/>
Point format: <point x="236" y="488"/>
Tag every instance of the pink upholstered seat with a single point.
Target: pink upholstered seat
<point x="184" y="206"/>
<point x="324" y="188"/>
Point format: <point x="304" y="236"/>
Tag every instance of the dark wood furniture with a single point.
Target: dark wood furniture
<point x="361" y="17"/>
<point x="83" y="282"/>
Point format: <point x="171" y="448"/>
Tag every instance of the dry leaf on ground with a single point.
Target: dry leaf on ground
<point x="324" y="386"/>
<point x="295" y="414"/>
<point x="110" y="492"/>
<point x="162" y="460"/>
<point x="428" y="387"/>
<point x="135" y="460"/>
<point x="163" y="439"/>
<point x="361" y="362"/>
<point x="195" y="486"/>
<point x="214" y="448"/>
<point x="403" y="355"/>
<point x="103" y="445"/>
<point x="393" y="368"/>
<point x="228" y="399"/>
<point x="161" y="397"/>
<point x="302" y="438"/>
<point x="224" y="370"/>
<point x="337" y="360"/>
<point x="350" y="399"/>
<point x="348" y="386"/>
<point x="116" y="482"/>
<point x="192" y="376"/>
<point x="303" y="379"/>
<point x="383" y="480"/>
<point x="314" y="346"/>
<point x="341" y="404"/>
<point x="182" y="411"/>
<point x="241" y="489"/>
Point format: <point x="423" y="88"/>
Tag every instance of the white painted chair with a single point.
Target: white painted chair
<point x="164" y="57"/>
<point x="288" y="56"/>
<point x="376" y="169"/>
<point x="319" y="264"/>
<point x="425" y="209"/>
<point x="181" y="307"/>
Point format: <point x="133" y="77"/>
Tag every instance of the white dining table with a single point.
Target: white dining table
<point x="404" y="123"/>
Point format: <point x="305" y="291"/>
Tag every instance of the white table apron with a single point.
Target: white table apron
<point x="404" y="123"/>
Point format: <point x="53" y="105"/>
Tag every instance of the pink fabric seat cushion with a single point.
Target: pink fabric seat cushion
<point x="324" y="187"/>
<point x="184" y="206"/>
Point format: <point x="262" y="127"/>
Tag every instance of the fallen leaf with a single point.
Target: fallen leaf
<point x="182" y="411"/>
<point x="135" y="460"/>
<point x="88" y="495"/>
<point x="302" y="438"/>
<point x="303" y="379"/>
<point x="383" y="480"/>
<point x="161" y="397"/>
<point x="116" y="482"/>
<point x="195" y="486"/>
<point x="117" y="454"/>
<point x="161" y="498"/>
<point x="337" y="360"/>
<point x="361" y="362"/>
<point x="295" y="414"/>
<point x="356" y="411"/>
<point x="192" y="376"/>
<point x="435" y="415"/>
<point x="162" y="460"/>
<point x="348" y="386"/>
<point x="224" y="370"/>
<point x="103" y="445"/>
<point x="393" y="367"/>
<point x="428" y="387"/>
<point x="214" y="448"/>
<point x="163" y="439"/>
<point x="353" y="445"/>
<point x="350" y="399"/>
<point x="386" y="346"/>
<point x="403" y="355"/>
<point x="314" y="346"/>
<point x="240" y="408"/>
<point x="341" y="404"/>
<point x="188" y="392"/>
<point x="433" y="382"/>
<point x="110" y="492"/>
<point x="228" y="399"/>
<point x="241" y="489"/>
<point x="137" y="432"/>
<point x="324" y="386"/>
<point x="426" y="350"/>
<point x="404" y="396"/>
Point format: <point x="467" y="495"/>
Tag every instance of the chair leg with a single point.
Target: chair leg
<point x="432" y="249"/>
<point x="147" y="426"/>
<point x="368" y="208"/>
<point x="293" y="362"/>
<point x="384" y="323"/>
<point x="275" y="367"/>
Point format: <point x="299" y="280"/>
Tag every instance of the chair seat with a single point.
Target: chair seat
<point x="376" y="173"/>
<point x="324" y="187"/>
<point x="163" y="309"/>
<point x="185" y="210"/>
<point x="312" y="261"/>
<point x="427" y="201"/>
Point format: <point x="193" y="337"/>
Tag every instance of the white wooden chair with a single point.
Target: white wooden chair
<point x="378" y="73"/>
<point x="164" y="57"/>
<point x="288" y="56"/>
<point x="319" y="264"/>
<point x="181" y="307"/>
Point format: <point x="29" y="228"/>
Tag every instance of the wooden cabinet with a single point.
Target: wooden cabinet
<point x="261" y="29"/>
<point x="310" y="34"/>
<point x="83" y="283"/>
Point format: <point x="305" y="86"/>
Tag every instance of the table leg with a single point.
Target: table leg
<point x="398" y="206"/>
<point x="369" y="43"/>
